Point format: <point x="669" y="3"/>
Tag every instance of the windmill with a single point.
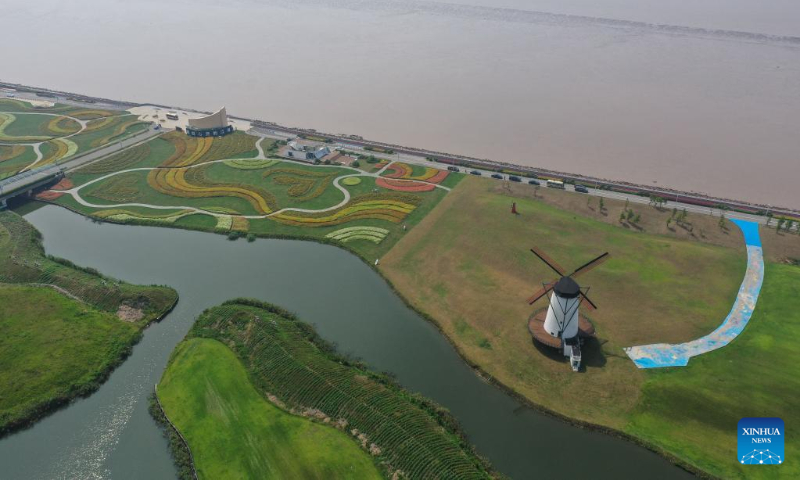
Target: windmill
<point x="561" y="325"/>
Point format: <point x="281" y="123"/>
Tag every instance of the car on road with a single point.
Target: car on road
<point x="10" y="95"/>
<point x="581" y="189"/>
<point x="453" y="169"/>
<point x="156" y="127"/>
<point x="475" y="172"/>
<point x="497" y="176"/>
<point x="534" y="182"/>
<point x="514" y="178"/>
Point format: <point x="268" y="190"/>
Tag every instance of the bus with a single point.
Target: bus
<point x="555" y="184"/>
<point x="172" y="116"/>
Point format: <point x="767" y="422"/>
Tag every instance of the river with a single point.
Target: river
<point x="111" y="435"/>
<point x="706" y="102"/>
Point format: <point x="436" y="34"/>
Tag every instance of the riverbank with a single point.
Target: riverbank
<point x="65" y="328"/>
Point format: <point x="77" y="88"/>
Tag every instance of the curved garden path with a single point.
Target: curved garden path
<point x="75" y="192"/>
<point x="667" y="355"/>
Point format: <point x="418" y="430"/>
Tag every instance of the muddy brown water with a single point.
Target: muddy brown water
<point x="700" y="95"/>
<point x="111" y="435"/>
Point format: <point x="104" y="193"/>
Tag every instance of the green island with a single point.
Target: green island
<point x="451" y="248"/>
<point x="256" y="393"/>
<point x="64" y="328"/>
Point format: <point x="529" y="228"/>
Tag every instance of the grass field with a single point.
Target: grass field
<point x="692" y="412"/>
<point x="206" y="389"/>
<point x="53" y="348"/>
<point x="468" y="266"/>
<point x="234" y="432"/>
<point x="62" y="328"/>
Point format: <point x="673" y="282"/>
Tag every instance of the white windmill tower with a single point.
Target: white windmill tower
<point x="562" y="326"/>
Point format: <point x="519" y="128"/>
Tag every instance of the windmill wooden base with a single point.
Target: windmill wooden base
<point x="536" y="327"/>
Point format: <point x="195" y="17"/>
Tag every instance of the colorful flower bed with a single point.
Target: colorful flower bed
<point x="64" y="184"/>
<point x="303" y="185"/>
<point x="372" y="234"/>
<point x="58" y="149"/>
<point x="123" y="123"/>
<point x="389" y="207"/>
<point x="404" y="185"/>
<point x="351" y="181"/>
<point x="62" y="126"/>
<point x="251" y="163"/>
<point x="120" y="215"/>
<point x="122" y="188"/>
<point x="405" y="171"/>
<point x="224" y="223"/>
<point x="192" y="183"/>
<point x="98" y="124"/>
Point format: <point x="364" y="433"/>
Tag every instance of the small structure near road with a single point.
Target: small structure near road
<point x="214" y="125"/>
<point x="307" y="151"/>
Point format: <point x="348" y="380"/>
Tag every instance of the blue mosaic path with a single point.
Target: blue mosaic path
<point x="667" y="355"/>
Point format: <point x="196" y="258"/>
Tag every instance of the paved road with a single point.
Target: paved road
<point x="633" y="199"/>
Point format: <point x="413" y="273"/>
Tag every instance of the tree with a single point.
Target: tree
<point x="626" y="204"/>
<point x="769" y="218"/>
<point x="674" y="211"/>
<point x="637" y="218"/>
<point x="780" y="225"/>
<point x="602" y="204"/>
<point x="630" y="214"/>
<point x="722" y="221"/>
<point x="355" y="164"/>
<point x="622" y="216"/>
<point x="789" y="225"/>
<point x="669" y="220"/>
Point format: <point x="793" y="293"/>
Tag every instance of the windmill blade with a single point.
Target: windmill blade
<point x="589" y="304"/>
<point x="549" y="261"/>
<point x="590" y="265"/>
<point x="541" y="293"/>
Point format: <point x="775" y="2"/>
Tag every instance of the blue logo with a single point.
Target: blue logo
<point x="761" y="441"/>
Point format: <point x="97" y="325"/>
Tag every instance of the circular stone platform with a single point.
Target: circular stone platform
<point x="536" y="327"/>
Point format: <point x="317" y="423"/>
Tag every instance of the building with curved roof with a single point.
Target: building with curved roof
<point x="214" y="125"/>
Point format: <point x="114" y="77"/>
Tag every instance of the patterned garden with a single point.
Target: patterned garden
<point x="233" y="185"/>
<point x="33" y="136"/>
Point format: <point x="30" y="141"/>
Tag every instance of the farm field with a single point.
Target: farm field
<point x="227" y="185"/>
<point x="299" y="374"/>
<point x="234" y="432"/>
<point x="59" y="132"/>
<point x="62" y="328"/>
<point x="468" y="266"/>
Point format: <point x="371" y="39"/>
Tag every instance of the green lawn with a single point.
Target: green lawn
<point x="234" y="432"/>
<point x="692" y="412"/>
<point x="53" y="348"/>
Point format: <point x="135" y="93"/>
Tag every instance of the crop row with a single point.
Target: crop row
<point x="364" y="207"/>
<point x="285" y="360"/>
<point x="230" y="146"/>
<point x="372" y="234"/>
<point x="58" y="149"/>
<point x="405" y="171"/>
<point x="192" y="183"/>
<point x="91" y="114"/>
<point x="119" y="188"/>
<point x="121" y="161"/>
<point x="188" y="150"/>
<point x="98" y="124"/>
<point x="304" y="185"/>
<point x="61" y="126"/>
<point x="250" y="163"/>
<point x="122" y="123"/>
<point x="9" y="152"/>
<point x="404" y="185"/>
